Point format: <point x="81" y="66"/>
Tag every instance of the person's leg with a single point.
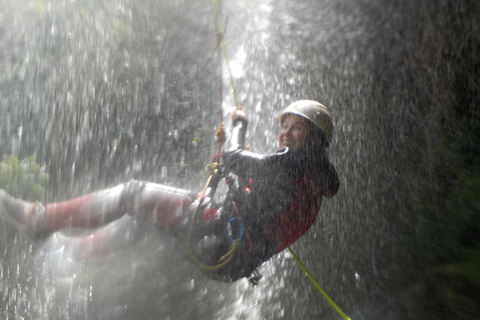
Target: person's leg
<point x="26" y="215"/>
<point x="166" y="206"/>
<point x="64" y="255"/>
<point x="112" y="237"/>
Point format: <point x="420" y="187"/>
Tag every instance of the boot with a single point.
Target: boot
<point x="28" y="216"/>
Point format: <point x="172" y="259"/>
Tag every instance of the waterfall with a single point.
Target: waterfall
<point x="102" y="92"/>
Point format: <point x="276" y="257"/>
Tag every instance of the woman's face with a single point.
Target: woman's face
<point x="294" y="133"/>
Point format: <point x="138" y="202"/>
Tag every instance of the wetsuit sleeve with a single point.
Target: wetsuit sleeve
<point x="237" y="136"/>
<point x="240" y="161"/>
<point x="249" y="164"/>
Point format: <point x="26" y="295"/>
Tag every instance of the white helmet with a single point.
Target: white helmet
<point x="313" y="111"/>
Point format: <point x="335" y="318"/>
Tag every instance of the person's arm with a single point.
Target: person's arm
<point x="238" y="131"/>
<point x="249" y="164"/>
<point x="238" y="160"/>
<point x="237" y="136"/>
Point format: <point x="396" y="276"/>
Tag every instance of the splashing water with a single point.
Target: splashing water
<point x="102" y="92"/>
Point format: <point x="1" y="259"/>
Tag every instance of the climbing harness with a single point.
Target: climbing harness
<point x="229" y="227"/>
<point x="212" y="182"/>
<point x="215" y="174"/>
<point x="225" y="259"/>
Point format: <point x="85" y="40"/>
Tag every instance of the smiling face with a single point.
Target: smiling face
<point x="294" y="133"/>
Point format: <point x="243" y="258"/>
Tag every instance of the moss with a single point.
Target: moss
<point x="23" y="178"/>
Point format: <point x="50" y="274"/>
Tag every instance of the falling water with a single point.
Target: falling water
<point x="102" y="92"/>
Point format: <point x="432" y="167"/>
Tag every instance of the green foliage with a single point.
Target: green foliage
<point x="457" y="247"/>
<point x="453" y="232"/>
<point x="203" y="137"/>
<point x="468" y="267"/>
<point x="23" y="178"/>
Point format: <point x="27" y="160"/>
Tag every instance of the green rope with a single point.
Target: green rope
<point x="318" y="287"/>
<point x="232" y="84"/>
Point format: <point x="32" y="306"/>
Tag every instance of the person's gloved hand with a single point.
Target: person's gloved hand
<point x="238" y="113"/>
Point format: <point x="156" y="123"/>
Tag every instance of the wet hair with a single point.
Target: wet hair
<point x="317" y="134"/>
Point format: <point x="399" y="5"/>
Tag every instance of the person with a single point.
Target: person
<point x="274" y="201"/>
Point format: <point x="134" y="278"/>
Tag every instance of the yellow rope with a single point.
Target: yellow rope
<point x="214" y="167"/>
<point x="317" y="285"/>
<point x="225" y="259"/>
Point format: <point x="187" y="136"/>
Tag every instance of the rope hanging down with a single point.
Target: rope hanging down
<point x="318" y="286"/>
<point x="222" y="51"/>
<point x="219" y="45"/>
<point x="215" y="166"/>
